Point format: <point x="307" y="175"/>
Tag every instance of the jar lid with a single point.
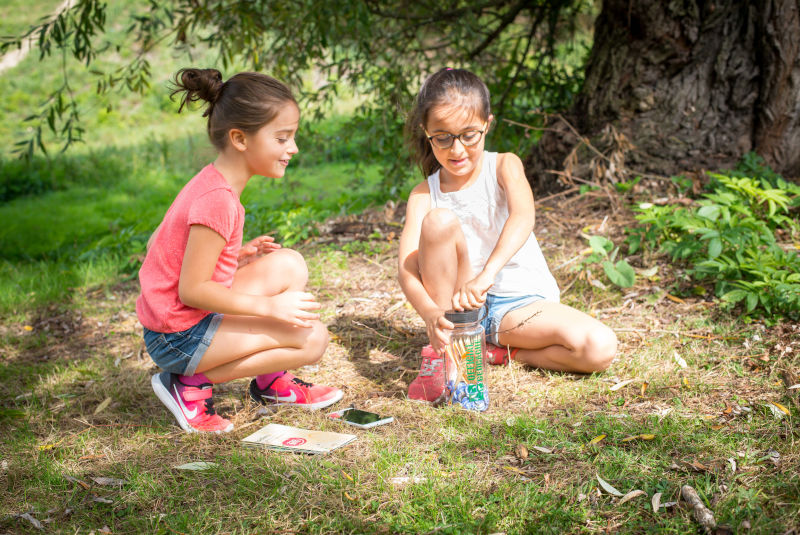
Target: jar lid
<point x="463" y="316"/>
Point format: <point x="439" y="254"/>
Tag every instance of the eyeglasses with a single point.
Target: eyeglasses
<point x="445" y="141"/>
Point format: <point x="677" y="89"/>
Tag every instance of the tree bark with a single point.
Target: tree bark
<point x="691" y="84"/>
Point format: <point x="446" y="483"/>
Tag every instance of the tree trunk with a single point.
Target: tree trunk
<point x="690" y="84"/>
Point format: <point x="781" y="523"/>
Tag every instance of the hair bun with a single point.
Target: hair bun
<point x="198" y="84"/>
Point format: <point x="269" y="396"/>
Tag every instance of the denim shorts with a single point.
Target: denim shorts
<point x="181" y="352"/>
<point x="498" y="306"/>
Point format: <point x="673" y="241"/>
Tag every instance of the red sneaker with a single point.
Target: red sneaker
<point x="499" y="356"/>
<point x="429" y="384"/>
<point x="289" y="390"/>
<point x="192" y="406"/>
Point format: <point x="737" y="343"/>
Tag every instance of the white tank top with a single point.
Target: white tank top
<point x="482" y="209"/>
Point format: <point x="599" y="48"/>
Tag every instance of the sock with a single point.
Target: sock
<point x="265" y="379"/>
<point x="194" y="380"/>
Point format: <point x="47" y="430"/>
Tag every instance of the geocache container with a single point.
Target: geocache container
<point x="465" y="361"/>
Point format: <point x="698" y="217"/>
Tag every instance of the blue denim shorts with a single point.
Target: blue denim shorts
<point x="497" y="307"/>
<point x="181" y="352"/>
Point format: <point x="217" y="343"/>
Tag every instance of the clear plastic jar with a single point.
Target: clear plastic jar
<point x="465" y="361"/>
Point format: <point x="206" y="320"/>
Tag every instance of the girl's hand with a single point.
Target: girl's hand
<point x="437" y="327"/>
<point x="293" y="307"/>
<point x="473" y="294"/>
<point x="255" y="248"/>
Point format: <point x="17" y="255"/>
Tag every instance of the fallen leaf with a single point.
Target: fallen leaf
<point x="675" y="299"/>
<point x="621" y="384"/>
<point x="45" y="447"/>
<point x="656" y="502"/>
<point x="778" y="410"/>
<point x="29" y="518"/>
<point x="196" y="465"/>
<point x="732" y="462"/>
<point x="644" y="387"/>
<point x="639" y="437"/>
<point x="793" y="387"/>
<point x="631" y="495"/>
<point x="105" y="403"/>
<point x="717" y="427"/>
<point x="607" y="487"/>
<point x="28" y="328"/>
<point x="348" y="476"/>
<point x="109" y="481"/>
<point x="515" y="470"/>
<point x="349" y="497"/>
<point x="681" y="362"/>
<point x="596" y="439"/>
<point x="543" y="449"/>
<point x="78" y="481"/>
<point x="98" y="499"/>
<point x="521" y="451"/>
<point x="686" y="383"/>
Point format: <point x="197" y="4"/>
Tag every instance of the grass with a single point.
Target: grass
<point x="75" y="402"/>
<point x="472" y="474"/>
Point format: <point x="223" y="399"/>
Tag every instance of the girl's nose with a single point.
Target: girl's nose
<point x="293" y="148"/>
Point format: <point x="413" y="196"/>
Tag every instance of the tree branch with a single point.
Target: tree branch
<point x="504" y="23"/>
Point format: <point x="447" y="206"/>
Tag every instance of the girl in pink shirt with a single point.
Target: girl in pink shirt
<point x="213" y="309"/>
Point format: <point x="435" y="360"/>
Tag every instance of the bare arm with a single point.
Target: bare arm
<point x="516" y="230"/>
<point x="197" y="289"/>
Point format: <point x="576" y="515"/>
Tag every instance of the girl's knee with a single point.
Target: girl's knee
<point x="284" y="261"/>
<point x="437" y="221"/>
<point x="600" y="348"/>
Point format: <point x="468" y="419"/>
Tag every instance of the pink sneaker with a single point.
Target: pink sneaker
<point x="429" y="384"/>
<point x="192" y="406"/>
<point x="289" y="390"/>
<point x="499" y="356"/>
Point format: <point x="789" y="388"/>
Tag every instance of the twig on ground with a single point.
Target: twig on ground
<point x="701" y="513"/>
<point x="371" y="329"/>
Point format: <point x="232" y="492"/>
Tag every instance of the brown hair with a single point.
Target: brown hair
<point x="454" y="86"/>
<point x="247" y="101"/>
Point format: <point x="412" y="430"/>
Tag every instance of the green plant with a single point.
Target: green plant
<point x="738" y="237"/>
<point x="620" y="273"/>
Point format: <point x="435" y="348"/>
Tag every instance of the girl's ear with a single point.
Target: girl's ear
<point x="237" y="139"/>
<point x="489" y="122"/>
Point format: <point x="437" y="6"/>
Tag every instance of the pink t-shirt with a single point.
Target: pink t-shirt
<point x="206" y="200"/>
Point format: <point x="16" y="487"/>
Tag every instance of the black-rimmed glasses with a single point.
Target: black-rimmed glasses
<point x="446" y="140"/>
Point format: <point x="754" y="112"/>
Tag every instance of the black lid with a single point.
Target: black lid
<point x="464" y="316"/>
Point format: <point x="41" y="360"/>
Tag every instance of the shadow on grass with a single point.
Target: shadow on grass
<point x="398" y="360"/>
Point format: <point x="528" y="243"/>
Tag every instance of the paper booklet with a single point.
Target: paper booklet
<point x="286" y="438"/>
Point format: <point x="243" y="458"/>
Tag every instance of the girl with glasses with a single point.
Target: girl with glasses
<point x="468" y="242"/>
<point x="213" y="309"/>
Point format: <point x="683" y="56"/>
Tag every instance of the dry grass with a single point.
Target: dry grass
<point x="72" y="359"/>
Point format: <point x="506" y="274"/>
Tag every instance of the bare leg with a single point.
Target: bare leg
<point x="558" y="337"/>
<point x="443" y="256"/>
<point x="245" y="346"/>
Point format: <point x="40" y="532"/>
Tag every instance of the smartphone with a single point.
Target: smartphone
<point x="359" y="418"/>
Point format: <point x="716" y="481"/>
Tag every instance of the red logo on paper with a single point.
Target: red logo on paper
<point x="294" y="441"/>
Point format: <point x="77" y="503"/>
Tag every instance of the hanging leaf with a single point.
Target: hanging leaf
<point x="607" y="487"/>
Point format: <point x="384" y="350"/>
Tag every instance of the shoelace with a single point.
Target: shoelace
<point x="302" y="383"/>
